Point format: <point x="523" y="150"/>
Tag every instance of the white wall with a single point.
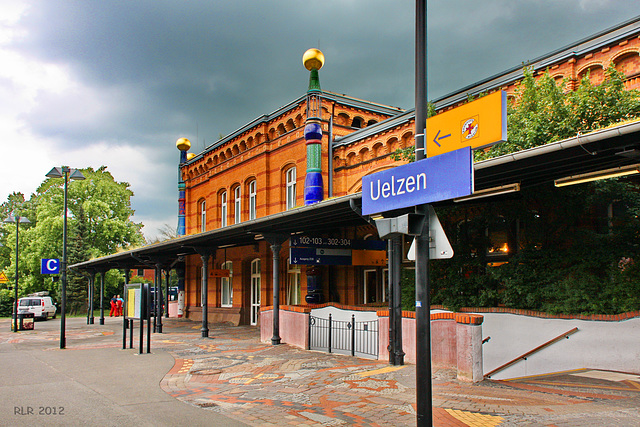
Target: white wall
<point x="613" y="346"/>
<point x="343" y="315"/>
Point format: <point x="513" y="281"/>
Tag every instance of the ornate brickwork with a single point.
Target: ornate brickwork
<point x="255" y="162"/>
<point x="264" y="152"/>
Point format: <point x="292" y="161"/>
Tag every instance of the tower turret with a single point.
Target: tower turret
<point x="313" y="60"/>
<point x="183" y="144"/>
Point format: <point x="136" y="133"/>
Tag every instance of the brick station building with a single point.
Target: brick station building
<point x="241" y="191"/>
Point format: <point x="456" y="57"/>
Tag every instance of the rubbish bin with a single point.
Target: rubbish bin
<point x="25" y="321"/>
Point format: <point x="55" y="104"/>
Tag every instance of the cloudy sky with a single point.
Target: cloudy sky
<point x="116" y="83"/>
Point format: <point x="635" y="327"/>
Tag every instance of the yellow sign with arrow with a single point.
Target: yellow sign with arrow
<point x="477" y="124"/>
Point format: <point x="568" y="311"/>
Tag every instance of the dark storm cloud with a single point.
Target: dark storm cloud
<point x="217" y="64"/>
<point x="473" y="40"/>
<point x="148" y="72"/>
<point x="167" y="66"/>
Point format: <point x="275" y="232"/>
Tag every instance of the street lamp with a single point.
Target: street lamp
<point x="17" y="219"/>
<point x="66" y="173"/>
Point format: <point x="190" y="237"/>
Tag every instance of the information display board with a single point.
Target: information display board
<point x="134" y="304"/>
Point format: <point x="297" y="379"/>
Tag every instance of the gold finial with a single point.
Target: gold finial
<point x="190" y="156"/>
<point x="183" y="144"/>
<point x="313" y="59"/>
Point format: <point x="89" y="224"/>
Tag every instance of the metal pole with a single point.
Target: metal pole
<point x="423" y="326"/>
<point x="158" y="299"/>
<point x="148" y="298"/>
<point x="15" y="291"/>
<point x="143" y="313"/>
<point x="102" y="298"/>
<point x="398" y="357"/>
<point x="154" y="299"/>
<point x="124" y="323"/>
<point x="91" y="292"/>
<point x="390" y="275"/>
<point x="424" y="410"/>
<point x="124" y="334"/>
<point x="275" y="250"/>
<point x="205" y="293"/>
<point x="353" y="335"/>
<point x="330" y="150"/>
<point x="63" y="275"/>
<point x="421" y="78"/>
<point x="330" y="329"/>
<point x="167" y="274"/>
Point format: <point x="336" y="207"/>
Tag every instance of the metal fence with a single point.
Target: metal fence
<point x="345" y="337"/>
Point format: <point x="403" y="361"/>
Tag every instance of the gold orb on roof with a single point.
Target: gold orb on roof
<point x="313" y="59"/>
<point x="183" y="144"/>
<point x="190" y="156"/>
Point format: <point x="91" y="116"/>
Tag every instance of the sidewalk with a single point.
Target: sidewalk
<point x="232" y="377"/>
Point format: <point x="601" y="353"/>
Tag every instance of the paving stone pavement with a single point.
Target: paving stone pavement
<point x="260" y="384"/>
<point x="235" y="375"/>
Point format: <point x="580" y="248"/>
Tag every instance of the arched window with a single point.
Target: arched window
<point x="226" y="286"/>
<point x="256" y="285"/>
<point x="223" y="209"/>
<point x="625" y="63"/>
<point x="356" y="123"/>
<point x="237" y="205"/>
<point x="290" y="125"/>
<point x="202" y="215"/>
<point x="594" y="72"/>
<point x="291" y="187"/>
<point x="252" y="200"/>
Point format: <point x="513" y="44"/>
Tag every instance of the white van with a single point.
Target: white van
<point x="41" y="307"/>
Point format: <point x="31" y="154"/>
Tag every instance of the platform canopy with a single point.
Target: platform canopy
<point x="606" y="149"/>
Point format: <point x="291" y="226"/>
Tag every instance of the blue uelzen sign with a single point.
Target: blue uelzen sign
<point x="442" y="177"/>
<point x="49" y="266"/>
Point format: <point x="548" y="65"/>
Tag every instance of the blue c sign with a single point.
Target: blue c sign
<point x="50" y="266"/>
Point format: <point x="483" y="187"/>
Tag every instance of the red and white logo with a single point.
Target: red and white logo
<point x="470" y="128"/>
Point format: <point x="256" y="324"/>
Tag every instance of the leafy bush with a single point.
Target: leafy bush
<point x="571" y="256"/>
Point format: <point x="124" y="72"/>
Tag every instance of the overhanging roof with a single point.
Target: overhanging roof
<point x="323" y="217"/>
<point x="599" y="150"/>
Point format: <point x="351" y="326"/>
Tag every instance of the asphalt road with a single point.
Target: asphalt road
<point x="94" y="381"/>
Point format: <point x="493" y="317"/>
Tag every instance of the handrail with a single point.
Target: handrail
<point x="530" y="352"/>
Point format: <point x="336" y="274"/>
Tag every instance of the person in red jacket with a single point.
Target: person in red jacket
<point x="114" y="308"/>
<point x="119" y="302"/>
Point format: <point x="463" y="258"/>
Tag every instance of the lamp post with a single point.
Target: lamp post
<point x="17" y="219"/>
<point x="66" y="173"/>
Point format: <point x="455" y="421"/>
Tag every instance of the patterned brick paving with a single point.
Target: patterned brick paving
<point x="260" y="384"/>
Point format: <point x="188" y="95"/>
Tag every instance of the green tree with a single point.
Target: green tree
<point x="544" y="111"/>
<point x="98" y="220"/>
<point x="77" y="251"/>
<point x="572" y="258"/>
<point x="14" y="205"/>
